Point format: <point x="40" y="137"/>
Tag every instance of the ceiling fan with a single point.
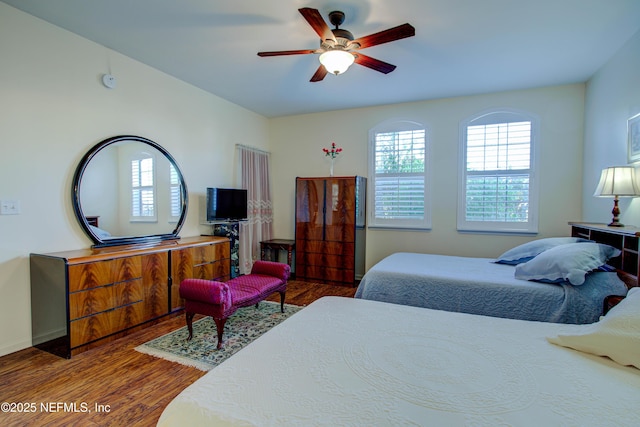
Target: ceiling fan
<point x="338" y="48"/>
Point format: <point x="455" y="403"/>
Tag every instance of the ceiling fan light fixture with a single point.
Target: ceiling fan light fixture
<point x="338" y="46"/>
<point x="336" y="61"/>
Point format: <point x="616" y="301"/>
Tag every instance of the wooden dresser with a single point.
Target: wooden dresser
<point x="330" y="233"/>
<point x="81" y="299"/>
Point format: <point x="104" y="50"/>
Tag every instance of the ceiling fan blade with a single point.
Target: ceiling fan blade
<point x="287" y="52"/>
<point x="392" y="34"/>
<point x="374" y="64"/>
<point x="320" y="74"/>
<point x="314" y="19"/>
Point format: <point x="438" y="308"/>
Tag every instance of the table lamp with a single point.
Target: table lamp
<point x="617" y="181"/>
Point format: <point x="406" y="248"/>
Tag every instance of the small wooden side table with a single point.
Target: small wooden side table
<point x="275" y="246"/>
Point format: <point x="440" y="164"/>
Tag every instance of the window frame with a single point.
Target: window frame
<point x="398" y="125"/>
<point x="495" y="116"/>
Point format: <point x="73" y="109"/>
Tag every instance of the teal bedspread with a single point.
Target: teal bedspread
<point x="480" y="286"/>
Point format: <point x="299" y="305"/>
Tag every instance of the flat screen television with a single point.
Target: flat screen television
<point x="224" y="204"/>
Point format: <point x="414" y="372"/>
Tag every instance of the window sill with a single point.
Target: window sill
<point x="498" y="232"/>
<point x="397" y="228"/>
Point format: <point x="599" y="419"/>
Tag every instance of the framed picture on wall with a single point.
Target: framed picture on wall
<point x="633" y="135"/>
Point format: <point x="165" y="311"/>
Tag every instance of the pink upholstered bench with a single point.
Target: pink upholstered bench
<point x="220" y="300"/>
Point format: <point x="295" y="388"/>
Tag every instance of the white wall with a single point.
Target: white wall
<point x="613" y="95"/>
<point x="297" y="142"/>
<point x="53" y="108"/>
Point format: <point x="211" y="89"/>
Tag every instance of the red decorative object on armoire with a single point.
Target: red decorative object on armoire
<point x="330" y="229"/>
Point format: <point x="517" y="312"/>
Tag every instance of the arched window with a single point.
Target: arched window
<point x="398" y="168"/>
<point x="498" y="177"/>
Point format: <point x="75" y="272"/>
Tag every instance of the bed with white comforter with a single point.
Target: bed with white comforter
<point x="353" y="362"/>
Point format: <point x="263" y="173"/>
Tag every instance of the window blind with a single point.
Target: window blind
<point x="498" y="162"/>
<point x="142" y="188"/>
<point x="175" y="196"/>
<point x="399" y="170"/>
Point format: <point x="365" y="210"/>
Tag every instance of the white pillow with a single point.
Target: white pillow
<point x="528" y="251"/>
<point x="616" y="335"/>
<point x="566" y="262"/>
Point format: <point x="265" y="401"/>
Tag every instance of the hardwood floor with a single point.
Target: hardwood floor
<point x="112" y="385"/>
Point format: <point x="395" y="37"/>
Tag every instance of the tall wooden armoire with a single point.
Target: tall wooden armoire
<point x="330" y="229"/>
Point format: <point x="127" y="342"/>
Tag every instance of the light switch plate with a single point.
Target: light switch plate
<point x="9" y="207"/>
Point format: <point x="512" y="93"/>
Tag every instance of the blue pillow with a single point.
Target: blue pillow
<point x="566" y="262"/>
<point x="530" y="250"/>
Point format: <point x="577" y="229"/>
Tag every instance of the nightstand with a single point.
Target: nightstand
<point x="610" y="302"/>
<point x="269" y="250"/>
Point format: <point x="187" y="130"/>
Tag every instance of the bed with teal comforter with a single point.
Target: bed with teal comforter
<point x="482" y="286"/>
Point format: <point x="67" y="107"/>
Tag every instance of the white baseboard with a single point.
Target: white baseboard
<point x="13" y="347"/>
<point x="22" y="344"/>
<point x="48" y="336"/>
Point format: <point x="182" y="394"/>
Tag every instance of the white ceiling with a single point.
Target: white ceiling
<point x="461" y="47"/>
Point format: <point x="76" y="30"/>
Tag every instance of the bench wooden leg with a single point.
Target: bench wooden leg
<point x="190" y="325"/>
<point x="220" y="326"/>
<point x="282" y="301"/>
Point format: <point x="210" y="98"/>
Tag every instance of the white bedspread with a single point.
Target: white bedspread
<point x="350" y="362"/>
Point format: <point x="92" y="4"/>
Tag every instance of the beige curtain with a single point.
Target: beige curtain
<point x="254" y="172"/>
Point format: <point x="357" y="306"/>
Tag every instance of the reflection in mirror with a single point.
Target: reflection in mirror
<point x="128" y="189"/>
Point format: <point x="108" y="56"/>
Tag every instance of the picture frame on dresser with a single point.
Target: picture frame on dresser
<point x="633" y="139"/>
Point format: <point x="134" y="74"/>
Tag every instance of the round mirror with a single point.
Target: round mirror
<point x="128" y="189"/>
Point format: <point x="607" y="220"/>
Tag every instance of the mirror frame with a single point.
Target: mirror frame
<point x="77" y="205"/>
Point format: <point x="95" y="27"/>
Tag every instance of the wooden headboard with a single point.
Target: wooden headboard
<point x="624" y="238"/>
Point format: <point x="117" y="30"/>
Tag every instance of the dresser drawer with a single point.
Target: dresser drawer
<point x="91" y="328"/>
<point x="325" y="274"/>
<point x="202" y="254"/>
<point x="325" y="247"/>
<point x="323" y="260"/>
<point x="209" y="262"/>
<point x="102" y="273"/>
<point x="97" y="300"/>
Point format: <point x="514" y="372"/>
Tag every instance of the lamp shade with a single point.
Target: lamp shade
<point x="336" y="61"/>
<point x="617" y="181"/>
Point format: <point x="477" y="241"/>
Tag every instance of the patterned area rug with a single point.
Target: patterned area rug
<point x="244" y="326"/>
